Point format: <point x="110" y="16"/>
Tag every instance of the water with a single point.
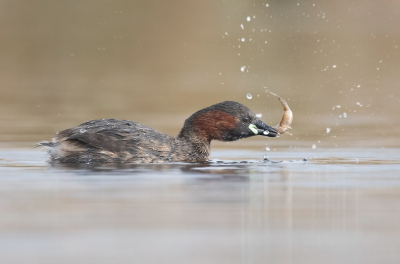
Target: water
<point x="249" y="96"/>
<point x="337" y="207"/>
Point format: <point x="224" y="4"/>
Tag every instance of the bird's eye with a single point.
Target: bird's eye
<point x="245" y="119"/>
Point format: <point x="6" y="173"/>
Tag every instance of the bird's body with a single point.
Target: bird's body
<point x="118" y="141"/>
<point x="121" y="141"/>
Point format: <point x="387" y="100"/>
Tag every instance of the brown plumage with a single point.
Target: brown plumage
<point x="121" y="141"/>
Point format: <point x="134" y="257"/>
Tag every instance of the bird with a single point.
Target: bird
<point x="122" y="141"/>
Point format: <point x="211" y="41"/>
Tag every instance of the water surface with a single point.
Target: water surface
<point x="339" y="206"/>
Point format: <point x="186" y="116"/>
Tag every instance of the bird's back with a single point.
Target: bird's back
<point x="110" y="140"/>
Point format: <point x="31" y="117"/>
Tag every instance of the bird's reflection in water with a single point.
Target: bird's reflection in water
<point x="211" y="171"/>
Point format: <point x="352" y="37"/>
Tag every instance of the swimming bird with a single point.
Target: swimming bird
<point x="122" y="141"/>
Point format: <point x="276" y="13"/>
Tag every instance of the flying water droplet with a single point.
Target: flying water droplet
<point x="248" y="18"/>
<point x="313" y="146"/>
<point x="249" y="96"/>
<point x="358" y="86"/>
<point x="266" y="132"/>
<point x="242" y="68"/>
<point x="359" y="104"/>
<point x="258" y="115"/>
<point x="267" y="148"/>
<point x="243" y="39"/>
<point x="328" y="129"/>
<point x="267" y="5"/>
<point x="334" y="66"/>
<point x="338" y="106"/>
<point x="344" y="115"/>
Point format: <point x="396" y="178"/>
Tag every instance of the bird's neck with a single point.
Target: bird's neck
<point x="194" y="145"/>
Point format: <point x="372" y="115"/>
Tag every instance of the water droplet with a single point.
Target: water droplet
<point x="243" y="39"/>
<point x="338" y="106"/>
<point x="242" y="68"/>
<point x="241" y="25"/>
<point x="248" y="18"/>
<point x="359" y="104"/>
<point x="298" y="4"/>
<point x="357" y="160"/>
<point x="358" y="86"/>
<point x="82" y="130"/>
<point x="267" y="5"/>
<point x="344" y="115"/>
<point x="313" y="146"/>
<point x="328" y="129"/>
<point x="266" y="132"/>
<point x="334" y="66"/>
<point x="267" y="148"/>
<point x="249" y="96"/>
<point x="258" y="115"/>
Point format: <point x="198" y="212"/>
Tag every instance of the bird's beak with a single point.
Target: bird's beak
<point x="265" y="130"/>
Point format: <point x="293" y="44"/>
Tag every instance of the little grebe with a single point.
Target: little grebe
<point x="121" y="141"/>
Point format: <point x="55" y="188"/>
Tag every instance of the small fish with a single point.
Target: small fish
<point x="287" y="117"/>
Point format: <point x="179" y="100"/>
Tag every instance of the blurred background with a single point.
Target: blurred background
<point x="156" y="62"/>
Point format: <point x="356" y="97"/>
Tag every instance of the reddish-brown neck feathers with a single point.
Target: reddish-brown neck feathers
<point x="213" y="124"/>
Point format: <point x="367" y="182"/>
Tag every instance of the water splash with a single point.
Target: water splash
<point x="249" y="96"/>
<point x="242" y="68"/>
<point x="328" y="129"/>
<point x="313" y="146"/>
